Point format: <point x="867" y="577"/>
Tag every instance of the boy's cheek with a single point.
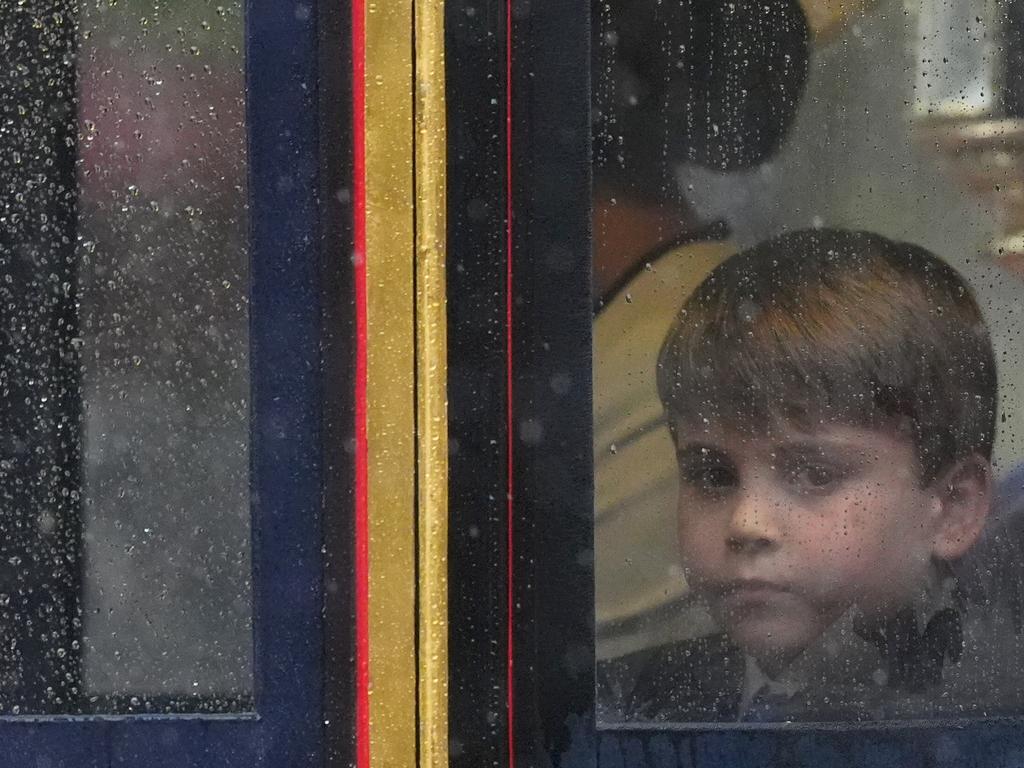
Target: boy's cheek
<point x="699" y="562"/>
<point x="697" y="542"/>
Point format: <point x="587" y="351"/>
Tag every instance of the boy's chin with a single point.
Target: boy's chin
<point x="772" y="643"/>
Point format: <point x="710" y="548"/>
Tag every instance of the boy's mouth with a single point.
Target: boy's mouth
<point x="739" y="592"/>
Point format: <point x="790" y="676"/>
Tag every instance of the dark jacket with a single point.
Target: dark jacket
<point x="691" y="681"/>
<point x="903" y="669"/>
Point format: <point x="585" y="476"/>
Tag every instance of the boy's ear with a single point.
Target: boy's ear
<point x="965" y="494"/>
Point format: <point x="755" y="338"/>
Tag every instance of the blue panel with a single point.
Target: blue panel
<point x="286" y="322"/>
<point x="286" y="447"/>
<point x="980" y="744"/>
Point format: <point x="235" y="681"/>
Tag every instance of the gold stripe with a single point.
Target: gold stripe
<point x="390" y="382"/>
<point x="432" y="382"/>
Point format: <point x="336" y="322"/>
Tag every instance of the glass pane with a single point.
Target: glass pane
<point x="163" y="287"/>
<point x="125" y="563"/>
<point x="809" y="397"/>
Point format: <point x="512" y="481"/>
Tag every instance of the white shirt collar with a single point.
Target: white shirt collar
<point x="755" y="681"/>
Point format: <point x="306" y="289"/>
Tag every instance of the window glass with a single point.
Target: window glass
<point x="808" y="359"/>
<point x="163" y="287"/>
<point x="124" y="384"/>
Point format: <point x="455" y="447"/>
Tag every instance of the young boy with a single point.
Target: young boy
<point x="831" y="397"/>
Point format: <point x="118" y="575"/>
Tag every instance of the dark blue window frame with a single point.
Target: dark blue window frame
<point x="292" y="263"/>
<point x="552" y="627"/>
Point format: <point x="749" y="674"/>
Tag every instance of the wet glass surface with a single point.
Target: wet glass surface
<point x="126" y="536"/>
<point x="833" y="530"/>
<point x="164" y="351"/>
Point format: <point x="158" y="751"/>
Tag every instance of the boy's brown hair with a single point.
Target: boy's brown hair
<point x="836" y="327"/>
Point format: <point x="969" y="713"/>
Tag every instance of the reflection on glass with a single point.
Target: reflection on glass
<point x="163" y="343"/>
<point x="806" y="508"/>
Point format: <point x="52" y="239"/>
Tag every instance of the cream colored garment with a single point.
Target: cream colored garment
<point x="827" y="17"/>
<point x="636" y="555"/>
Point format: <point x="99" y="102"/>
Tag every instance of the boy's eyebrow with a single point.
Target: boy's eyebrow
<point x="818" y="446"/>
<point x="802" y="445"/>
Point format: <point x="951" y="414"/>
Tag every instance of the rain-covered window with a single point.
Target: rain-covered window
<point x="124" y="375"/>
<point x="808" y="359"/>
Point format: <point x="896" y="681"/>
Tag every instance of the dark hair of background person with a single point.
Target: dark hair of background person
<point x="707" y="82"/>
<point x="833" y="326"/>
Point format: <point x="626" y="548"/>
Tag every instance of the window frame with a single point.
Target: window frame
<point x="299" y="302"/>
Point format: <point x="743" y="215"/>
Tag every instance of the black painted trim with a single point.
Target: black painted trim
<point x="339" y="365"/>
<point x="553" y="463"/>
<point x="475" y="84"/>
<point x="551" y="412"/>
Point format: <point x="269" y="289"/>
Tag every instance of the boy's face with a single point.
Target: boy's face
<point x="783" y="532"/>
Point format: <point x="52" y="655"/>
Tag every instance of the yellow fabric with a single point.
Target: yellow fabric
<point x="826" y="17"/>
<point x="636" y="556"/>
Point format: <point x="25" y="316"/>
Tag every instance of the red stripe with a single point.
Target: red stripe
<point x="362" y="564"/>
<point x="510" y="618"/>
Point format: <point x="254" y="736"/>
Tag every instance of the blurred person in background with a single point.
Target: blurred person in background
<point x="702" y="82"/>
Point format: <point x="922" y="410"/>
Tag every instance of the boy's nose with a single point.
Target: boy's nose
<point x="753" y="525"/>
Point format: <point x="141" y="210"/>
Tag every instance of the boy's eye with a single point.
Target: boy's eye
<point x="814" y="477"/>
<point x="707" y="470"/>
<point x="710" y="478"/>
